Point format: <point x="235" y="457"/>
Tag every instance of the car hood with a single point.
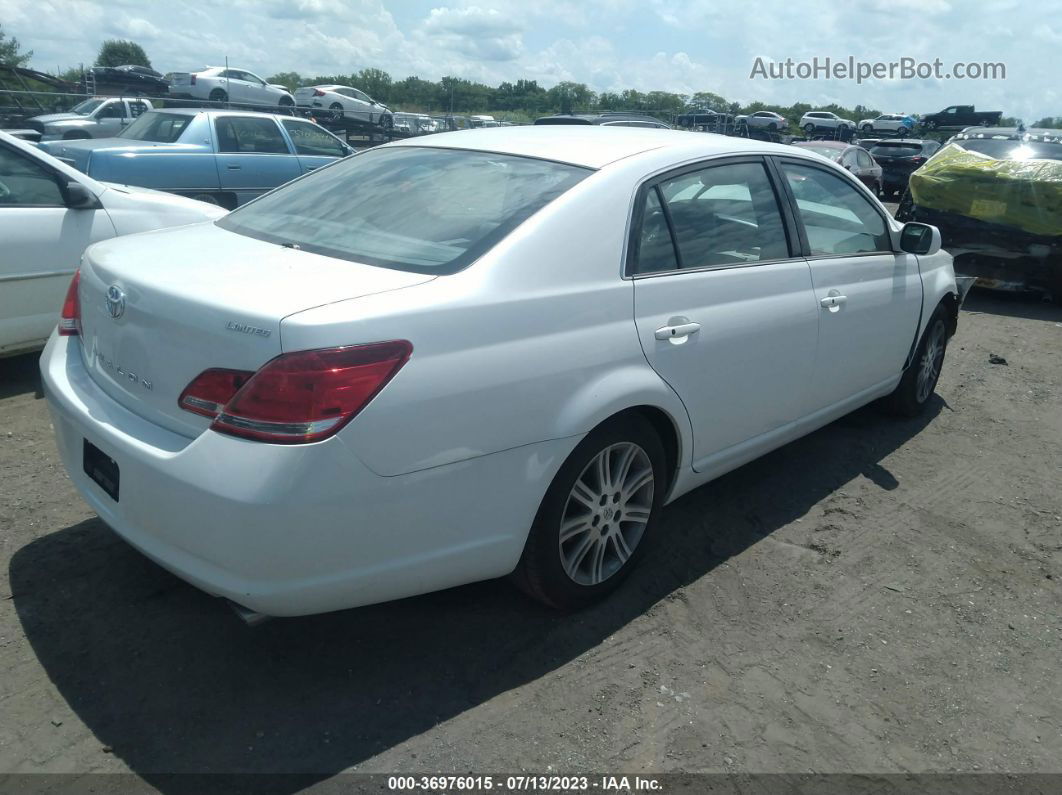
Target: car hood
<point x="51" y="118"/>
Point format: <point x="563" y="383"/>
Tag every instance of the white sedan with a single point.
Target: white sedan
<point x="489" y="352"/>
<point x="236" y="86"/>
<point x="344" y="102"/>
<point x="49" y="213"/>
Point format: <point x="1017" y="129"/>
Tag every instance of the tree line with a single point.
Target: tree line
<point x="519" y="100"/>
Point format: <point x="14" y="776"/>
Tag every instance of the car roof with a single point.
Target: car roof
<point x="1010" y="133"/>
<point x="906" y="141"/>
<point x="591" y="145"/>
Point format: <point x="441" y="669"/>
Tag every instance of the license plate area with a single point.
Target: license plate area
<point x="102" y="469"/>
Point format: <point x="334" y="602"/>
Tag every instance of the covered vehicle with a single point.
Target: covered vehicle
<point x="223" y="157"/>
<point x="996" y="195"/>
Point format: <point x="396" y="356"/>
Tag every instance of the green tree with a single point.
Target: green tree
<point x="11" y="51"/>
<point x="374" y="82"/>
<point x="1050" y="122"/>
<point x="119" y="52"/>
<point x="290" y="80"/>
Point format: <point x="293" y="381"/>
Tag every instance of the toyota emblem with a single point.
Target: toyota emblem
<point x="115" y="301"/>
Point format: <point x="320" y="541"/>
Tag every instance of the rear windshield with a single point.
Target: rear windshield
<point x="86" y="107"/>
<point x="163" y="128"/>
<point x="409" y="208"/>
<point x="1013" y="150"/>
<point x="897" y="150"/>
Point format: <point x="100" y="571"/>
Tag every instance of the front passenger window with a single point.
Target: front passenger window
<point x="837" y="218"/>
<point x="24" y="183"/>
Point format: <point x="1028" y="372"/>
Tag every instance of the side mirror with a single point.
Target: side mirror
<point x="916" y="238"/>
<point x="78" y="197"/>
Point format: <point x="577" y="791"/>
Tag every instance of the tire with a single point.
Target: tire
<point x="570" y="573"/>
<point x="286" y="102"/>
<point x="772" y="127"/>
<point x="911" y="395"/>
<point x="387" y="121"/>
<point x="809" y="128"/>
<point x="209" y="198"/>
<point x="337" y="110"/>
<point x="902" y="132"/>
<point x="868" y="129"/>
<point x="931" y="125"/>
<point x="219" y="95"/>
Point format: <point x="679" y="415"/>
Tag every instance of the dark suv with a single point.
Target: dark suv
<point x="899" y="159"/>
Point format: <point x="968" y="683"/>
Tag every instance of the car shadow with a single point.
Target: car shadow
<point x="20" y="375"/>
<point x="172" y="683"/>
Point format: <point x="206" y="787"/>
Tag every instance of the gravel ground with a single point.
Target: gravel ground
<point x="880" y="596"/>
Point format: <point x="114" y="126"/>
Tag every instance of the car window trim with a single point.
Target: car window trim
<point x="653" y="182"/>
<point x="807" y="253"/>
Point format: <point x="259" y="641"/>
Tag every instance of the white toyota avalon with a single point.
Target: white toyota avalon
<point x="477" y="354"/>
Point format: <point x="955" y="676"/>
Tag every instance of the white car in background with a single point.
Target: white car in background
<point x="482" y="353"/>
<point x="218" y="84"/>
<point x="49" y="213"/>
<point x="344" y="102"/>
<point x="824" y="120"/>
<point x="898" y="123"/>
<point x="763" y="120"/>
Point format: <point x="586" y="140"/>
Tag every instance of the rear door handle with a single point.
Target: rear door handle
<point x="674" y="332"/>
<point x="232" y="167"/>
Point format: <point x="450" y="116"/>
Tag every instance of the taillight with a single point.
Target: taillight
<point x="297" y="397"/>
<point x="918" y="160"/>
<point x="318" y="92"/>
<point x="70" y="318"/>
<point x="211" y="390"/>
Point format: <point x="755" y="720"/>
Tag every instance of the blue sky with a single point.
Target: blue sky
<point x="681" y="46"/>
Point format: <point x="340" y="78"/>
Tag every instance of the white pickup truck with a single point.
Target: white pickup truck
<point x="98" y="117"/>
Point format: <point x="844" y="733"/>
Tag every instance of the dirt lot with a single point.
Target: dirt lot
<point x="880" y="596"/>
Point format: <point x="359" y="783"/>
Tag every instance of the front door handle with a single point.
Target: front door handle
<point x="676" y="332"/>
<point x="833" y="302"/>
<point x="232" y="167"/>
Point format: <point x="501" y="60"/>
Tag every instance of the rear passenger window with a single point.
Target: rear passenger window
<point x="837" y="218"/>
<point x="248" y="134"/>
<point x="722" y="215"/>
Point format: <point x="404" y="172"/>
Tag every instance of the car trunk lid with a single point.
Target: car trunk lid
<point x="161" y="307"/>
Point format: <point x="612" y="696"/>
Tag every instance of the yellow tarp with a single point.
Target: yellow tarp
<point x="1026" y="194"/>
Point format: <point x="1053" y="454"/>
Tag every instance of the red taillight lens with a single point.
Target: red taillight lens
<point x="318" y="92"/>
<point x="298" y="397"/>
<point x="70" y="318"/>
<point x="918" y="160"/>
<point x="211" y="390"/>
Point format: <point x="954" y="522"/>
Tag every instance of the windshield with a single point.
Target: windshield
<point x="831" y="152"/>
<point x="163" y="128"/>
<point x="86" y="107"/>
<point x="409" y="208"/>
<point x="1002" y="149"/>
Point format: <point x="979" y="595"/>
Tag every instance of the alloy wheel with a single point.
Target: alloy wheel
<point x="931" y="362"/>
<point x="606" y="513"/>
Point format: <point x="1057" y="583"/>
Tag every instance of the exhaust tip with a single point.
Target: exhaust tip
<point x="249" y="617"/>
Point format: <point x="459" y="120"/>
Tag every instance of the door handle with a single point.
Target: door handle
<point x="231" y="167"/>
<point x="311" y="168"/>
<point x="675" y="332"/>
<point x="833" y="302"/>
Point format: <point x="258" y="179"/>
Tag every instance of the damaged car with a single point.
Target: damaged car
<point x="996" y="196"/>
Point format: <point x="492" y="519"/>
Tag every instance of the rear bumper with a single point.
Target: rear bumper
<point x="293" y="530"/>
